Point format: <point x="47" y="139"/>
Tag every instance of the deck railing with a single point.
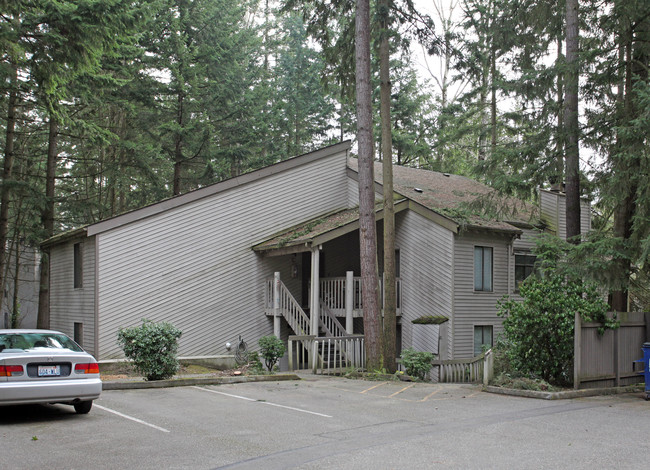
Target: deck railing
<point x="289" y="308"/>
<point x="333" y="293"/>
<point x="326" y="355"/>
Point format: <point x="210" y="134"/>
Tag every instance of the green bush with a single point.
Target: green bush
<point x="152" y="347"/>
<point x="254" y="364"/>
<point x="271" y="349"/>
<point x="539" y="330"/>
<point x="416" y="363"/>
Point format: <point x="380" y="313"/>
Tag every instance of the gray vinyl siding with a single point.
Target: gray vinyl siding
<point x="527" y="240"/>
<point x="585" y="216"/>
<point x="193" y="265"/>
<point x="426" y="253"/>
<point x="553" y="212"/>
<point x="353" y="192"/>
<point x="477" y="308"/>
<point x="67" y="303"/>
<point x="553" y="208"/>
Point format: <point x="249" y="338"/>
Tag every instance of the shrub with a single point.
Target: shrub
<point x="271" y="349"/>
<point x="152" y="347"/>
<point x="417" y="363"/>
<point x="254" y="363"/>
<point x="539" y="330"/>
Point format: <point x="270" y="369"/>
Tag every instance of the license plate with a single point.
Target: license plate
<point x="49" y="371"/>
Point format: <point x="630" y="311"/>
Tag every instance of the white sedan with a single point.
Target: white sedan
<point x="44" y="366"/>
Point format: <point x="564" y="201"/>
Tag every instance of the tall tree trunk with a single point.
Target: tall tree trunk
<point x="483" y="130"/>
<point x="15" y="304"/>
<point x="390" y="298"/>
<point x="7" y="169"/>
<point x="493" y="98"/>
<point x="623" y="210"/>
<point x="367" y="227"/>
<point x="631" y="145"/>
<point x="178" y="146"/>
<point x="571" y="124"/>
<point x="47" y="219"/>
<point x="558" y="178"/>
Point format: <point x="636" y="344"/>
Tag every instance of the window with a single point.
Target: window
<point x="482" y="337"/>
<point x="524" y="267"/>
<point x="79" y="333"/>
<point x="483" y="268"/>
<point x="78" y="266"/>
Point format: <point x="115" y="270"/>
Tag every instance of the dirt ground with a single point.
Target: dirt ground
<point x="127" y="371"/>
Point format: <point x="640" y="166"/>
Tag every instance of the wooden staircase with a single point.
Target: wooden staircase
<point x="332" y="347"/>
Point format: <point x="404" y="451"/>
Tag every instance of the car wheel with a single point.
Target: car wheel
<point x="83" y="407"/>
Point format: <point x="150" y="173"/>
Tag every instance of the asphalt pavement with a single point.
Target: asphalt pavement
<point x="328" y="423"/>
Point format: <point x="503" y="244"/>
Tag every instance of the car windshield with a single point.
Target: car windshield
<point x="37" y="340"/>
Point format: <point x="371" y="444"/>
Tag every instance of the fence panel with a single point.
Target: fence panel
<point x="608" y="360"/>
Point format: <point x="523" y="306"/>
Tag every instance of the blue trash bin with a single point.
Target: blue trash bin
<point x="646" y="369"/>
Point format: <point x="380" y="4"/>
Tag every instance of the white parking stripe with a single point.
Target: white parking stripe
<point x="262" y="402"/>
<point x="131" y="418"/>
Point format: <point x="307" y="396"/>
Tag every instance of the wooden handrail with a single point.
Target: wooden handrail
<point x="292" y="312"/>
<point x="329" y="322"/>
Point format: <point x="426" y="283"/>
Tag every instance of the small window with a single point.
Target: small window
<point x="482" y="338"/>
<point x="524" y="267"/>
<point x="483" y="268"/>
<point x="78" y="266"/>
<point x="79" y="333"/>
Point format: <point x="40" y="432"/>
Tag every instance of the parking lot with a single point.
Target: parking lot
<point x="322" y="422"/>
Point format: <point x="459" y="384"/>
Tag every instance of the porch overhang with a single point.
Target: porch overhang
<point x="312" y="233"/>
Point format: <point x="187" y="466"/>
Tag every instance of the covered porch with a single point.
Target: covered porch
<point x="321" y="294"/>
<point x="339" y="298"/>
<point x="318" y="294"/>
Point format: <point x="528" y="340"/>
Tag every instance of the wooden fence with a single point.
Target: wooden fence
<point x="608" y="360"/>
<point x="478" y="369"/>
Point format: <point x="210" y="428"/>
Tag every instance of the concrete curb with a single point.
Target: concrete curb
<point x="566" y="395"/>
<point x="140" y="384"/>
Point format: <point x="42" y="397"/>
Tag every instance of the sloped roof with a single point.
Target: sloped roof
<point x="463" y="200"/>
<point x="320" y="230"/>
<point x="457" y="201"/>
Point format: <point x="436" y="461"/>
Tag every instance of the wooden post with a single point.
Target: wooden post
<point x="315" y="291"/>
<point x="577" y="350"/>
<point x="276" y="304"/>
<point x="349" y="302"/>
<point x="290" y="344"/>
<point x="314" y="355"/>
<point x="488" y="367"/>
